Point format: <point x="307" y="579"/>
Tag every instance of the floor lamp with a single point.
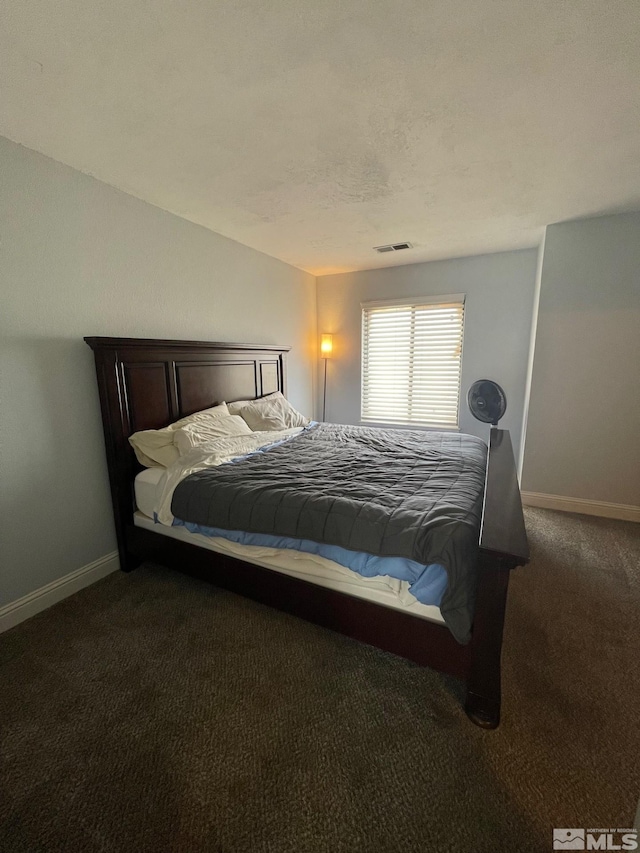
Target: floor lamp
<point x="326" y="349"/>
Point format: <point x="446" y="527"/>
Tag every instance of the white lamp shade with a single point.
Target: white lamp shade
<point x="326" y="346"/>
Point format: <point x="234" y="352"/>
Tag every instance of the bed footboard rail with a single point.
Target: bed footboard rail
<point x="502" y="532"/>
<point x="503" y="547"/>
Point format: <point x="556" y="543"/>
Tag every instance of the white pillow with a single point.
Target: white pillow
<point x="234" y="408"/>
<point x="199" y="432"/>
<point x="271" y="413"/>
<point x="155" y="447"/>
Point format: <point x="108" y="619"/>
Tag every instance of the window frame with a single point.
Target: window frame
<point x="413" y="303"/>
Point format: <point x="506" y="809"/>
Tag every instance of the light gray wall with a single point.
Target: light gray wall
<point x="532" y="341"/>
<point x="583" y="427"/>
<point x="80" y="258"/>
<point x="499" y="292"/>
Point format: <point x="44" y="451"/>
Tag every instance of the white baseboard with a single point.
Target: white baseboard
<point x="625" y="512"/>
<point x="26" y="607"/>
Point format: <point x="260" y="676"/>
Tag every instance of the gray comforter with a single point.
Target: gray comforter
<point x="397" y="493"/>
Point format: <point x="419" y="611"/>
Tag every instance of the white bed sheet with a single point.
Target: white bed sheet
<point x="387" y="591"/>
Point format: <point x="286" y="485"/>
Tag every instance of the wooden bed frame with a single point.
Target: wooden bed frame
<point x="147" y="384"/>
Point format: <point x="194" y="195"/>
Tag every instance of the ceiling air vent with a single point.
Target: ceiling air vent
<point x="393" y="247"/>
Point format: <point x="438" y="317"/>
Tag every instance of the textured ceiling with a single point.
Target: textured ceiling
<point x="314" y="131"/>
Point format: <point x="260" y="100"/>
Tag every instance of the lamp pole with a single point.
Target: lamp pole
<point x="324" y="395"/>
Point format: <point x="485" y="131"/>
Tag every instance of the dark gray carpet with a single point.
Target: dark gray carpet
<point x="153" y="712"/>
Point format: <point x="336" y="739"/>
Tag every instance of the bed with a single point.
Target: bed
<point x="147" y="384"/>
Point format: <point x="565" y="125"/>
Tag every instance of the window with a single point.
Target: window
<point x="411" y="361"/>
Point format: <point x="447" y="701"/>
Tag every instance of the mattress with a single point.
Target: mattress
<point x="146" y="488"/>
<point x="383" y="590"/>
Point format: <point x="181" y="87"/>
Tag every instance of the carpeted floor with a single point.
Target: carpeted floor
<point x="153" y="712"/>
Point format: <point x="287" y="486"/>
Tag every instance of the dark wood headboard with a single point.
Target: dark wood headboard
<point x="148" y="383"/>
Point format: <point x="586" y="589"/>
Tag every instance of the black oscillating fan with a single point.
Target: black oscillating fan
<point x="487" y="401"/>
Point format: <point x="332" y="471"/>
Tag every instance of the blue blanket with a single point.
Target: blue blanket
<point x="426" y="583"/>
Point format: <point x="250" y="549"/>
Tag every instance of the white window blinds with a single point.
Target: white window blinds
<point x="411" y="362"/>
